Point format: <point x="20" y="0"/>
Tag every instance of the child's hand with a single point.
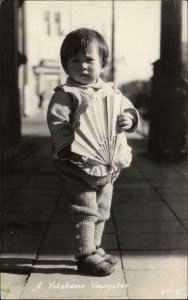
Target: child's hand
<point x="124" y="121"/>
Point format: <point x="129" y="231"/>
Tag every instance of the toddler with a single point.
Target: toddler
<point x="84" y="56"/>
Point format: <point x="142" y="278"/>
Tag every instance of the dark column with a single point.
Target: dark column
<point x="10" y="107"/>
<point x="113" y="42"/>
<point x="167" y="136"/>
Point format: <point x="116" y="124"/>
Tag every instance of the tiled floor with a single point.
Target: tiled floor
<point x="147" y="231"/>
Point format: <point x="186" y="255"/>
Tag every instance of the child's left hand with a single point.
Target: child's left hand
<point x="124" y="121"/>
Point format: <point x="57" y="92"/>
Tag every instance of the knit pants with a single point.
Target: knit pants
<point x="89" y="204"/>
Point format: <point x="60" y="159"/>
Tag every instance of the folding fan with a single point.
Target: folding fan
<point x="97" y="137"/>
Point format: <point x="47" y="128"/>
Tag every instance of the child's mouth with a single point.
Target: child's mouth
<point x="84" y="75"/>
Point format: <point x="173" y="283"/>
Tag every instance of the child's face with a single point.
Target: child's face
<point x="85" y="68"/>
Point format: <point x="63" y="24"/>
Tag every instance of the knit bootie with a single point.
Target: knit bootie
<point x="94" y="265"/>
<point x="107" y="257"/>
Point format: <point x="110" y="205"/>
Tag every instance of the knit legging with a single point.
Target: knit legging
<point x="89" y="207"/>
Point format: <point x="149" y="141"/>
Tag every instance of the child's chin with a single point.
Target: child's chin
<point x="86" y="81"/>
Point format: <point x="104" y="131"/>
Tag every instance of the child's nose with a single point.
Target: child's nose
<point x="84" y="65"/>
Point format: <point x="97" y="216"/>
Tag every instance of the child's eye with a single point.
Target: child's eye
<point x="91" y="59"/>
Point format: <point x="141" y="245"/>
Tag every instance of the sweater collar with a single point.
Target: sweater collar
<point x="96" y="85"/>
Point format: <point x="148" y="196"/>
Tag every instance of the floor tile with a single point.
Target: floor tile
<point x="19" y="228"/>
<point x="153" y="241"/>
<point x="175" y="198"/>
<point x="120" y="197"/>
<point x="28" y="216"/>
<point x="22" y="243"/>
<point x="180" y="209"/>
<point x="155" y="260"/>
<point x="157" y="284"/>
<point x="143" y="211"/>
<point x="13" y="284"/>
<point x="153" y="226"/>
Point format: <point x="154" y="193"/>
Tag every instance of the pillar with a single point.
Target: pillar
<point x="168" y="126"/>
<point x="10" y="106"/>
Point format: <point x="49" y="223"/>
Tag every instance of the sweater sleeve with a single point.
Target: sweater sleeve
<point x="127" y="106"/>
<point x="59" y="118"/>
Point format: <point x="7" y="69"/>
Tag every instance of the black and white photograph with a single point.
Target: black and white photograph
<point x="94" y="148"/>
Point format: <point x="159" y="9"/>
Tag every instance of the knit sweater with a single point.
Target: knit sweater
<point x="65" y="108"/>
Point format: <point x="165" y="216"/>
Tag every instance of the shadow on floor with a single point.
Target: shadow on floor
<point x="25" y="266"/>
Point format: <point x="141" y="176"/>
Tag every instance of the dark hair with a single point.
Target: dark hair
<point x="80" y="40"/>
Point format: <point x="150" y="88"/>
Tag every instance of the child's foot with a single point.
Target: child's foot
<point x="94" y="265"/>
<point x="107" y="257"/>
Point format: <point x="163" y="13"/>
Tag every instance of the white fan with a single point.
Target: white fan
<point x="97" y="137"/>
